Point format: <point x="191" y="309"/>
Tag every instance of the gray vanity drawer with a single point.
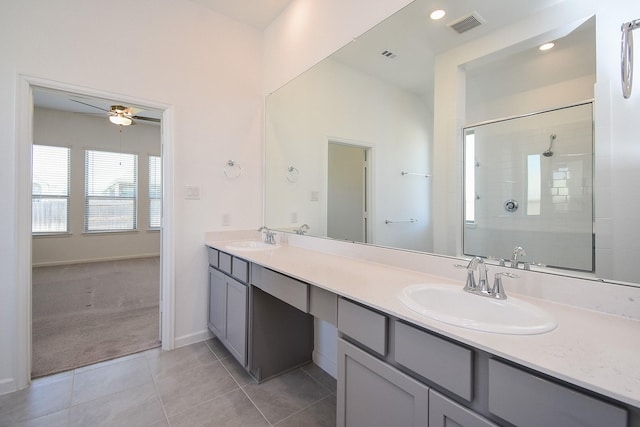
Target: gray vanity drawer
<point x="526" y="400"/>
<point x="285" y="288"/>
<point x="363" y="325"/>
<point x="213" y="257"/>
<point x="224" y="262"/>
<point x="323" y="305"/>
<point x="436" y="359"/>
<point x="240" y="269"/>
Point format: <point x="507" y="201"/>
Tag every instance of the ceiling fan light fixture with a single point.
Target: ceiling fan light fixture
<point x="120" y="119"/>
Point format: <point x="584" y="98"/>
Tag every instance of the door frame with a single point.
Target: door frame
<point x="369" y="180"/>
<point x="22" y="214"/>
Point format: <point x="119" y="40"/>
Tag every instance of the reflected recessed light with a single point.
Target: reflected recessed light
<point x="547" y="46"/>
<point x="437" y="14"/>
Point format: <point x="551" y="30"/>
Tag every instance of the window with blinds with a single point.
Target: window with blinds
<point x="111" y="189"/>
<point x="50" y="189"/>
<point x="155" y="192"/>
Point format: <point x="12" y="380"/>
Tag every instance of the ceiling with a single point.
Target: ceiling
<point x="75" y="103"/>
<point x="256" y="13"/>
<point x="416" y="40"/>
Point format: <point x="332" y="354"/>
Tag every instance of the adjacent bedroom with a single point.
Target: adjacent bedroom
<point x="96" y="224"/>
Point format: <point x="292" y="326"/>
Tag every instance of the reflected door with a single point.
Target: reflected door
<point x="346" y="192"/>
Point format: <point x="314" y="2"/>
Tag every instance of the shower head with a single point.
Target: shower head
<point x="548" y="152"/>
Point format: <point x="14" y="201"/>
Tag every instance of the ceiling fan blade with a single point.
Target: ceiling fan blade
<point x="88" y="105"/>
<point x="148" y="119"/>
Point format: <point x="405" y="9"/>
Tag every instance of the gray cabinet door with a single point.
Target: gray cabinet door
<point x="374" y="394"/>
<point x="446" y="413"/>
<point x="217" y="302"/>
<point x="237" y="297"/>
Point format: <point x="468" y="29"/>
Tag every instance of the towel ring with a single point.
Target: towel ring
<point x="292" y="174"/>
<point x="232" y="169"/>
<point x="626" y="56"/>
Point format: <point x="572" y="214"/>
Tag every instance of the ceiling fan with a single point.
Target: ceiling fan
<point x="121" y="115"/>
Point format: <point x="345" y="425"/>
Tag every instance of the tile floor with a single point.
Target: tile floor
<point x="197" y="385"/>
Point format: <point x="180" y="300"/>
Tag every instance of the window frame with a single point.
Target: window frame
<point x="158" y="169"/>
<point x="66" y="197"/>
<point x="88" y="197"/>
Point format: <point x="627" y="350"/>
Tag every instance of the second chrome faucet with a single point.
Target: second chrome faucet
<point x="481" y="287"/>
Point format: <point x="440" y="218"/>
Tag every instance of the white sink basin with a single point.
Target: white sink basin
<point x="452" y="305"/>
<point x="250" y="245"/>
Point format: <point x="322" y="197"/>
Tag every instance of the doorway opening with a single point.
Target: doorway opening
<point x="96" y="216"/>
<point x="27" y="86"/>
<point x="348" y="192"/>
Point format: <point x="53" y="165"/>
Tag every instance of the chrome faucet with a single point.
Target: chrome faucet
<point x="518" y="251"/>
<point x="302" y="229"/>
<point x="481" y="285"/>
<point x="269" y="236"/>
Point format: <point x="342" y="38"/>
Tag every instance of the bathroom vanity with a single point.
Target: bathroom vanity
<point x="396" y="367"/>
<point x="267" y="331"/>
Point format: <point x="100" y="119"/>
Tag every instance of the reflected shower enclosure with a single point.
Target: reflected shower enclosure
<point x="529" y="182"/>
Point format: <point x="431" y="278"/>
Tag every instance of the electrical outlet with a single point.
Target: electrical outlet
<point x="294" y="217"/>
<point x="315" y="196"/>
<point x="226" y="220"/>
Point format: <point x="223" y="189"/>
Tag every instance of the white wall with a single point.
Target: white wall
<point x="336" y="102"/>
<point x="80" y="132"/>
<point x="206" y="67"/>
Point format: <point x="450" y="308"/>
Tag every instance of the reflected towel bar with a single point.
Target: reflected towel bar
<point x="414" y="173"/>
<point x="388" y="221"/>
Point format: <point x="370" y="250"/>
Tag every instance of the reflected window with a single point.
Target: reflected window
<point x="534" y="184"/>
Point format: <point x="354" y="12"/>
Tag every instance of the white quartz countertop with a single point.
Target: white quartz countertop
<point x="596" y="351"/>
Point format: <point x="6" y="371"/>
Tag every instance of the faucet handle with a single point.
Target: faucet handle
<point x="497" y="291"/>
<point x="470" y="284"/>
<point x="501" y="261"/>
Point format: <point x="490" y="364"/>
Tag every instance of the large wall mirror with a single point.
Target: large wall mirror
<point x="368" y="145"/>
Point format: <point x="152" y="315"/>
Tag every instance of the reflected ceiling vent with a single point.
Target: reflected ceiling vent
<point x="467" y="22"/>
<point x="388" y="54"/>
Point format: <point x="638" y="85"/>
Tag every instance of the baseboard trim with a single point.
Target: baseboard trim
<point x="86" y="261"/>
<point x="7" y="385"/>
<point x="325" y="364"/>
<point x="192" y="338"/>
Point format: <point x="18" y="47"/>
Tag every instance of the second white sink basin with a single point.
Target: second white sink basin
<point x="250" y="245"/>
<point x="452" y="305"/>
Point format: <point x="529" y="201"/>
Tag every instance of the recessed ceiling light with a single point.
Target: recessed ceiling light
<point x="437" y="14"/>
<point x="547" y="46"/>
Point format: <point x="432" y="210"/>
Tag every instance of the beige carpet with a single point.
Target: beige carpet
<point x="87" y="313"/>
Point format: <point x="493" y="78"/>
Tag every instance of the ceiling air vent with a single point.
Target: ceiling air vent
<point x="388" y="54"/>
<point x="467" y="22"/>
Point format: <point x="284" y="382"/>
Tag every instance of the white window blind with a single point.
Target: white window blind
<point x="155" y="191"/>
<point x="50" y="189"/>
<point x="111" y="188"/>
